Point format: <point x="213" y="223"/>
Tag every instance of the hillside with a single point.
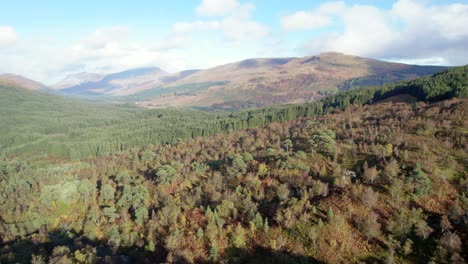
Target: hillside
<point x="252" y="82"/>
<point x="20" y="81"/>
<point x="261" y="82"/>
<point x="33" y="121"/>
<point x="378" y="183"/>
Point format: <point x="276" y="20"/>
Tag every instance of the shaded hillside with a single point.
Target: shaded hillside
<point x="58" y="130"/>
<point x="379" y="183"/>
<point x="380" y="79"/>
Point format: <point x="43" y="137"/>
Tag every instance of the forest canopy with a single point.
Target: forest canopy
<point x="367" y="175"/>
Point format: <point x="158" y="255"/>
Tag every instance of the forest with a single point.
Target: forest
<point x="46" y="124"/>
<point x="374" y="175"/>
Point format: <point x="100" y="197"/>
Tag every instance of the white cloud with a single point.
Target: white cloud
<point x="306" y="20"/>
<point x="411" y="30"/>
<point x="8" y="35"/>
<point x="171" y="42"/>
<point x="424" y="61"/>
<point x="332" y="7"/>
<point x="111" y="49"/>
<point x="103" y="42"/>
<point x="450" y="21"/>
<point x="235" y="30"/>
<point x="184" y="27"/>
<point x="105" y="50"/>
<point x="240" y="27"/>
<point x="235" y="25"/>
<point x="365" y="33"/>
<point x="105" y="36"/>
<point x="216" y="7"/>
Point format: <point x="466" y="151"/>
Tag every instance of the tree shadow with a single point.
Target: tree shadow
<point x="265" y="255"/>
<point x="62" y="247"/>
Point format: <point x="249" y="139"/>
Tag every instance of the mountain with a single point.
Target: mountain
<point x="21" y="81"/>
<point x="120" y="83"/>
<point x="77" y="79"/>
<point x="251" y="82"/>
<point x="261" y="82"/>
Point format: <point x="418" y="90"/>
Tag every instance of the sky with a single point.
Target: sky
<point x="47" y="40"/>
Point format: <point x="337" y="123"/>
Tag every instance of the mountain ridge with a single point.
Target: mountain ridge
<point x="119" y="81"/>
<point x="254" y="82"/>
<point x="268" y="81"/>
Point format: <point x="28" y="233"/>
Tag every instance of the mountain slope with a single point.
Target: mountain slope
<point x="21" y="81"/>
<point x="409" y="73"/>
<point x="261" y="82"/>
<point x="250" y="83"/>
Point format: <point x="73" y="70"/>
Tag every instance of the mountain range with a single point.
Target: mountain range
<point x="247" y="83"/>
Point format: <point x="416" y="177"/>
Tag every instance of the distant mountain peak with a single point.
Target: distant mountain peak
<point x="77" y="79"/>
<point x="132" y="73"/>
<point x="114" y="83"/>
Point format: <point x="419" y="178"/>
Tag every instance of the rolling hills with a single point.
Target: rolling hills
<point x="250" y="83"/>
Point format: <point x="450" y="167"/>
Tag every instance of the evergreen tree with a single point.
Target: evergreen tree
<point x="214" y="254"/>
<point x="422" y="183"/>
<point x="200" y="233"/>
<point x="266" y="227"/>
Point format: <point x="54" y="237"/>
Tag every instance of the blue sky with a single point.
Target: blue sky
<point x="46" y="40"/>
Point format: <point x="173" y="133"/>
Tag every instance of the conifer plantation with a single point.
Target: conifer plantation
<point x="368" y="175"/>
